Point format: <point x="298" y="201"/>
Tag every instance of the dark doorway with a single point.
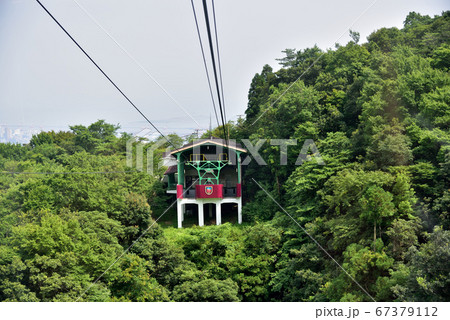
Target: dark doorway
<point x="229" y="212"/>
<point x="190" y="214"/>
<point x="209" y="212"/>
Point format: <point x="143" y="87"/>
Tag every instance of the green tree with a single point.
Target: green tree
<point x="133" y="282"/>
<point x="390" y="147"/>
<point x="12" y="287"/>
<point x="95" y="135"/>
<point x="206" y="290"/>
<point x="428" y="270"/>
<point x="376" y="204"/>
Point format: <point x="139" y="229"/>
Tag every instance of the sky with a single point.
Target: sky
<point x="46" y="82"/>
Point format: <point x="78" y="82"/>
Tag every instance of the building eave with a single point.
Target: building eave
<point x="210" y="141"/>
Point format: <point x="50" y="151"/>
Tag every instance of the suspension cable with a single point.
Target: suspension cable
<point x="103" y="72"/>
<point x="204" y="62"/>
<point x="211" y="48"/>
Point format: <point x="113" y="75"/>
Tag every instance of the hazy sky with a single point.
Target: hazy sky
<point x="46" y="81"/>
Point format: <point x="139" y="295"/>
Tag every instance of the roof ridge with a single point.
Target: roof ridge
<point x="217" y="141"/>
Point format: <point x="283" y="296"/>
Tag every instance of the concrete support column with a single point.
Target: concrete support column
<point x="238" y="160"/>
<point x="180" y="213"/>
<point x="218" y="213"/>
<point x="200" y="214"/>
<point x="180" y="169"/>
<point x="240" y="210"/>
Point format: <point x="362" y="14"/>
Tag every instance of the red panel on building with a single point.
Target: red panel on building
<point x="209" y="191"/>
<point x="238" y="190"/>
<point x="179" y="191"/>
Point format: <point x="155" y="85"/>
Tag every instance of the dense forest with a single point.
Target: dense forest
<point x="71" y="210"/>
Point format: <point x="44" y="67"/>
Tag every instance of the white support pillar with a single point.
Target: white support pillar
<point x="240" y="210"/>
<point x="180" y="213"/>
<point x="218" y="213"/>
<point x="200" y="214"/>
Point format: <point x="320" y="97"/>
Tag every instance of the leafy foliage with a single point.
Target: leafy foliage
<point x="379" y="115"/>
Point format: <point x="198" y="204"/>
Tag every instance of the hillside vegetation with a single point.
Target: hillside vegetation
<point x="379" y="115"/>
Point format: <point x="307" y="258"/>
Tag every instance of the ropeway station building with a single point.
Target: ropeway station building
<point x="207" y="180"/>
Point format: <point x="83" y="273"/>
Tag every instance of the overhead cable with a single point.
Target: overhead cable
<point x="211" y="48"/>
<point x="204" y="62"/>
<point x="103" y="72"/>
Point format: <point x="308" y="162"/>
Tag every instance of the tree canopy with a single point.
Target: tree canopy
<point x="78" y="224"/>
